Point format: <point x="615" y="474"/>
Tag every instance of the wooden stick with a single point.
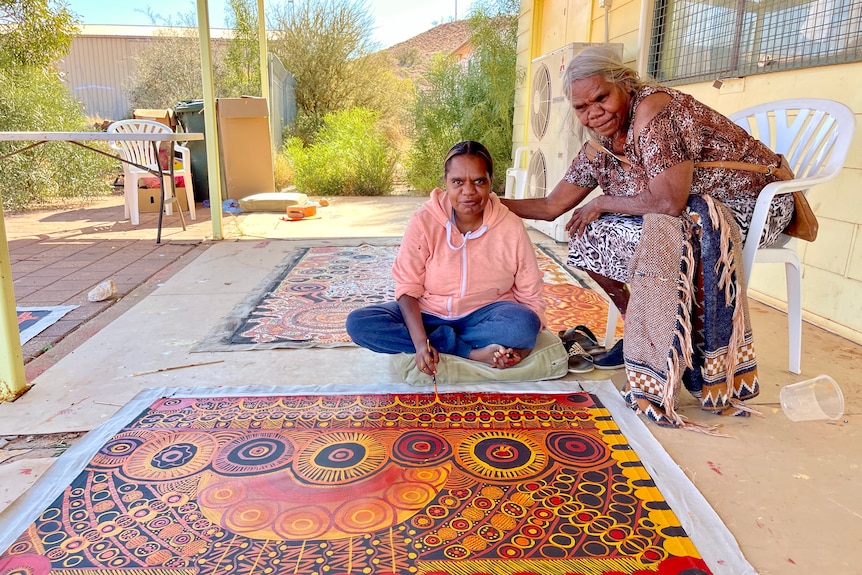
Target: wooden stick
<point x="176" y="367"/>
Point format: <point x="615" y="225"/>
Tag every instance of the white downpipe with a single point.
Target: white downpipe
<point x="644" y="33"/>
<point x="607" y="7"/>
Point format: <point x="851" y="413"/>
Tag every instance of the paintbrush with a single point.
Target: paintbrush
<point x="433" y="375"/>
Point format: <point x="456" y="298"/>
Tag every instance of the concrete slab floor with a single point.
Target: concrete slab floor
<point x="788" y="491"/>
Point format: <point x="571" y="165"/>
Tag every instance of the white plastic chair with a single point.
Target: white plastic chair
<point x="142" y="153"/>
<point x="516" y="177"/>
<point x="814" y="135"/>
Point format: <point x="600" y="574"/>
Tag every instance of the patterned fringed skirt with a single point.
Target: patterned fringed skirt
<point x="687" y="322"/>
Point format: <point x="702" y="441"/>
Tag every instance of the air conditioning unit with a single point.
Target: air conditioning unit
<point x="551" y="143"/>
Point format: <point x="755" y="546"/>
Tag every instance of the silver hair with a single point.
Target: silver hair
<point x="599" y="61"/>
<point x="602" y="61"/>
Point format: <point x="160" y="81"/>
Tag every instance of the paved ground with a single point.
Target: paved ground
<point x="58" y="256"/>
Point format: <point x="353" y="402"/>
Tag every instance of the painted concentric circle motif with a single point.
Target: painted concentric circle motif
<point x="119" y="448"/>
<point x="410" y="495"/>
<point x="578" y="449"/>
<point x="255" y="452"/>
<point x="501" y="455"/>
<point x="340" y="457"/>
<point x="364" y="515"/>
<point x="421" y="448"/>
<point x="306" y="522"/>
<point x="250" y="515"/>
<point x="222" y="494"/>
<point x="306" y="286"/>
<point x="173" y="404"/>
<point x="170" y="456"/>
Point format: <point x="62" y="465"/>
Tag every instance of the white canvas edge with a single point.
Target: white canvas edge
<point x="57" y="312"/>
<point x="710" y="536"/>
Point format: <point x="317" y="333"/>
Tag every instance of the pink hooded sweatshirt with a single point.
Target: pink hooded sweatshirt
<point x="454" y="274"/>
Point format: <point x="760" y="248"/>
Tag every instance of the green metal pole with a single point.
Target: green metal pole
<point x="12" y="380"/>
<point x="213" y="164"/>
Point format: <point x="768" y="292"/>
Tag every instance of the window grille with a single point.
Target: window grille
<point x="695" y="41"/>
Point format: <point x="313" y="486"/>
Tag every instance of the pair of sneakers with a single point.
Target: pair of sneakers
<point x="585" y="352"/>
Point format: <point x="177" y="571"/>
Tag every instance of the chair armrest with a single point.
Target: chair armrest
<point x="520" y="157"/>
<point x="761" y="211"/>
<point x="184" y="154"/>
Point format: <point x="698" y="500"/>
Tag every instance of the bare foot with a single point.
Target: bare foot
<point x="497" y="356"/>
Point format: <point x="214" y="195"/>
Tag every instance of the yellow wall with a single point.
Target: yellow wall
<point x="832" y="266"/>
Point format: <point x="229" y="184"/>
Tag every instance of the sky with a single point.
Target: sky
<point x="394" y="20"/>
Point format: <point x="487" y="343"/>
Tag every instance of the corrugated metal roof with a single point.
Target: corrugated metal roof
<point x="145" y="31"/>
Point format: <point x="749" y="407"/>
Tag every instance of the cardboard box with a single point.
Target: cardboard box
<point x="165" y="117"/>
<point x="245" y="147"/>
<point x="148" y="200"/>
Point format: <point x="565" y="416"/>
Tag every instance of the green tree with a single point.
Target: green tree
<point x="472" y="101"/>
<point x="436" y="113"/>
<point x="242" y="60"/>
<point x="35" y="32"/>
<point x="169" y="70"/>
<point x="327" y="46"/>
<point x="33" y="98"/>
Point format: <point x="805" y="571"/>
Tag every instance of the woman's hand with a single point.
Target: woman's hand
<point x="582" y="216"/>
<point x="427" y="359"/>
<point x="426" y="356"/>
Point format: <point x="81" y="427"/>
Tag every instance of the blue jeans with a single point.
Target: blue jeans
<point x="381" y="328"/>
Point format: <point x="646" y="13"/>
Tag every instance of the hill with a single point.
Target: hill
<point x="412" y="57"/>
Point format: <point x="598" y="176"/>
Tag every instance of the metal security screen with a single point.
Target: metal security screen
<point x="695" y="41"/>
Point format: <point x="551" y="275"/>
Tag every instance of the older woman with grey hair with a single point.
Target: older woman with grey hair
<point x="664" y="238"/>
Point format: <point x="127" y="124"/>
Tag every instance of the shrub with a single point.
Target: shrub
<point x="282" y="171"/>
<point x="472" y="100"/>
<point x="436" y="114"/>
<point x="351" y="156"/>
<point x="34" y="99"/>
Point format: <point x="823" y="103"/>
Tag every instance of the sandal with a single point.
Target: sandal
<point x="585" y="338"/>
<point x="579" y="360"/>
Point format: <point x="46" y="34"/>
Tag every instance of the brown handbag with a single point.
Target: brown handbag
<point x="803" y="224"/>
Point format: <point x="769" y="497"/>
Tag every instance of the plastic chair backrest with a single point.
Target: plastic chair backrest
<point x="813" y="134"/>
<point x="137" y="151"/>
